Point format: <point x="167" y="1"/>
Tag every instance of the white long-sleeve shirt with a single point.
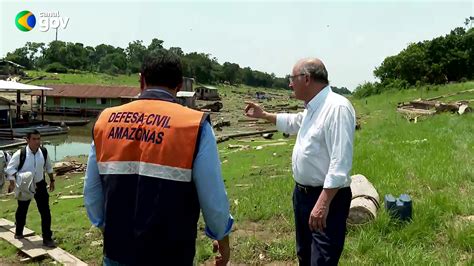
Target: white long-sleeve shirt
<point x="33" y="163"/>
<point x="322" y="155"/>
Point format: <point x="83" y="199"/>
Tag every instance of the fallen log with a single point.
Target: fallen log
<point x="365" y="201"/>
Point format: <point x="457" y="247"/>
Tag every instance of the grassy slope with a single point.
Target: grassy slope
<point x="85" y="78"/>
<point x="437" y="173"/>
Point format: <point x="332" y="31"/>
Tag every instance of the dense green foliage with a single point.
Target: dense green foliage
<point x="59" y="56"/>
<point x="444" y="59"/>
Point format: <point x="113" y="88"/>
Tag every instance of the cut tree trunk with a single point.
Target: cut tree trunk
<point x="365" y="201"/>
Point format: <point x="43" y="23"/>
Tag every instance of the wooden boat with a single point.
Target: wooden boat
<point x="43" y="130"/>
<point x="79" y="122"/>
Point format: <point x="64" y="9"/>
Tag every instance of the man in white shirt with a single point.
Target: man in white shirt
<point x="32" y="159"/>
<point x="321" y="162"/>
<point x="4" y="158"/>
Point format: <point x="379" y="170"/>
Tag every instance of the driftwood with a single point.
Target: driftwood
<point x="365" y="201"/>
<point x="224" y="123"/>
<point x="214" y="107"/>
<point x="62" y="168"/>
<point x="243" y="134"/>
<point x="435" y="106"/>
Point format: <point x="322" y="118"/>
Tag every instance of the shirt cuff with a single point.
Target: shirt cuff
<point x="282" y="122"/>
<point x="11" y="178"/>
<point x="336" y="181"/>
<point x="210" y="234"/>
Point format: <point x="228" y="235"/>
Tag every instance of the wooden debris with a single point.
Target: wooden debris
<point x="223" y="123"/>
<point x="267" y="135"/>
<point x="243" y="134"/>
<point x="10" y="226"/>
<point x="63" y="257"/>
<point x="7" y="195"/>
<point x="214" y="107"/>
<point x="274" y="144"/>
<point x="449" y="95"/>
<point x="24" y="244"/>
<point x="243" y="185"/>
<point x="463" y="109"/>
<point x="62" y="168"/>
<point x="248" y="120"/>
<point x="418" y="108"/>
<point x="33" y="245"/>
<point x="71" y="197"/>
<point x="365" y="201"/>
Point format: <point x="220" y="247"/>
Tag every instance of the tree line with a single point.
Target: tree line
<point x="61" y="57"/>
<point x="444" y="59"/>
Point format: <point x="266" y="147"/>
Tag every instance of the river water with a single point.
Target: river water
<point x="76" y="142"/>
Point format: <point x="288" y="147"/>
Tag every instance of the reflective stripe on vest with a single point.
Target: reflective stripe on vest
<point x="147" y="137"/>
<point x="145" y="169"/>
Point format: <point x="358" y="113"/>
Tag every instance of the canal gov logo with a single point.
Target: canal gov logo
<point x="25" y="20"/>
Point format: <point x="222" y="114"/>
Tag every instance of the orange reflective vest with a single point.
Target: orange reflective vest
<point x="147" y="137"/>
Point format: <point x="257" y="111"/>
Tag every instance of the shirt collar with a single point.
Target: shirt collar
<point x="157" y="93"/>
<point x="28" y="149"/>
<point x="318" y="99"/>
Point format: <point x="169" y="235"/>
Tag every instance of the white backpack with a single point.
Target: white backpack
<point x="25" y="187"/>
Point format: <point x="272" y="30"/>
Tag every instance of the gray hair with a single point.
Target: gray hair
<point x="316" y="70"/>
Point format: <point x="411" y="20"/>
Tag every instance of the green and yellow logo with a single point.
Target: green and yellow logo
<point x="25" y="20"/>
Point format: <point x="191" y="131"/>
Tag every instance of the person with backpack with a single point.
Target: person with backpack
<point x="4" y="159"/>
<point x="25" y="171"/>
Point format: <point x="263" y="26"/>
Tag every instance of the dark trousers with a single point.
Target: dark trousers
<point x="320" y="248"/>
<point x="42" y="202"/>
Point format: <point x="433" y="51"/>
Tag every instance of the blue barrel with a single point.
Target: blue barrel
<point x="399" y="208"/>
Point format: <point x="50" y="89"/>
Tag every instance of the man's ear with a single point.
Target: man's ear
<point x="307" y="79"/>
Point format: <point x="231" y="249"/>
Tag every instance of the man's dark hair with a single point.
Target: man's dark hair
<point x="33" y="132"/>
<point x="162" y="68"/>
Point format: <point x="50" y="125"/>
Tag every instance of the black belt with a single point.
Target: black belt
<point x="308" y="189"/>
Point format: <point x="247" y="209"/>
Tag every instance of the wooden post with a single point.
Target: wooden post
<point x="18" y="107"/>
<point x="11" y="123"/>
<point x="42" y="105"/>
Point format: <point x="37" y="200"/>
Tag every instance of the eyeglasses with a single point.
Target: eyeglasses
<point x="291" y="78"/>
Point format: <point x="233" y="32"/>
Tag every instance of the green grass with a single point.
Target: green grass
<point x="84" y="78"/>
<point x="431" y="160"/>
